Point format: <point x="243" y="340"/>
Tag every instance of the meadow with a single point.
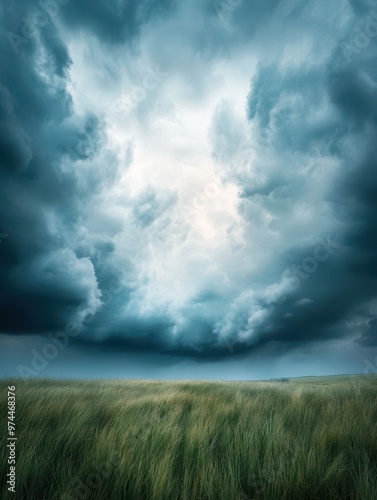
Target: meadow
<point x="157" y="440"/>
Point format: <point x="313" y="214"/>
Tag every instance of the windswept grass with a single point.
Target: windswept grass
<point x="193" y="440"/>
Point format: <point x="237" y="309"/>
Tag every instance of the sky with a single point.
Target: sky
<point x="188" y="189"/>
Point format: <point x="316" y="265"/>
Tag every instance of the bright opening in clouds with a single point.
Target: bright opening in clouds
<point x="192" y="183"/>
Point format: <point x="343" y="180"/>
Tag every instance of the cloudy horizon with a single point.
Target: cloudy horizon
<point x="188" y="190"/>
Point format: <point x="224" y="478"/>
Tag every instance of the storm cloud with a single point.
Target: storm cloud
<point x="193" y="179"/>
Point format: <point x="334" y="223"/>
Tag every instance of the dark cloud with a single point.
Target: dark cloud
<point x="123" y="256"/>
<point x="348" y="279"/>
<point x="43" y="281"/>
<point x="113" y="21"/>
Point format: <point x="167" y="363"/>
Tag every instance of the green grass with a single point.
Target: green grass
<point x="113" y="439"/>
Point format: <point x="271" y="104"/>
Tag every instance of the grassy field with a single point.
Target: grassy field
<point x="302" y="439"/>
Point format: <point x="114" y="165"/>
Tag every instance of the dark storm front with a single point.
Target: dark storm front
<point x="60" y="340"/>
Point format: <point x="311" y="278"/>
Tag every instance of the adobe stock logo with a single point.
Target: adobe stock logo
<point x="295" y="274"/>
<point x="224" y="8"/>
<point x="310" y="264"/>
<point x="369" y="374"/>
<point x="60" y="340"/>
<point x="152" y="78"/>
<point x="82" y="151"/>
<point x="35" y="21"/>
<point x="361" y="37"/>
<point x="85" y="487"/>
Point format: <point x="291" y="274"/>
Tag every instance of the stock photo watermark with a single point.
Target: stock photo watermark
<point x="82" y="151"/>
<point x="202" y="198"/>
<point x="152" y="78"/>
<point x="224" y="8"/>
<point x="259" y="484"/>
<point x="11" y="439"/>
<point x="310" y="264"/>
<point x="60" y="340"/>
<point x="362" y="35"/>
<point x="295" y="275"/>
<point x="84" y="488"/>
<point x="267" y="137"/>
<point x="369" y="374"/>
<point x="32" y="23"/>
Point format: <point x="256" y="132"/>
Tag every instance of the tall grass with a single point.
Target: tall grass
<point x="192" y="440"/>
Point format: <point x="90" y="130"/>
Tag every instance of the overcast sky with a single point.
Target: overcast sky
<point x="188" y="189"/>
